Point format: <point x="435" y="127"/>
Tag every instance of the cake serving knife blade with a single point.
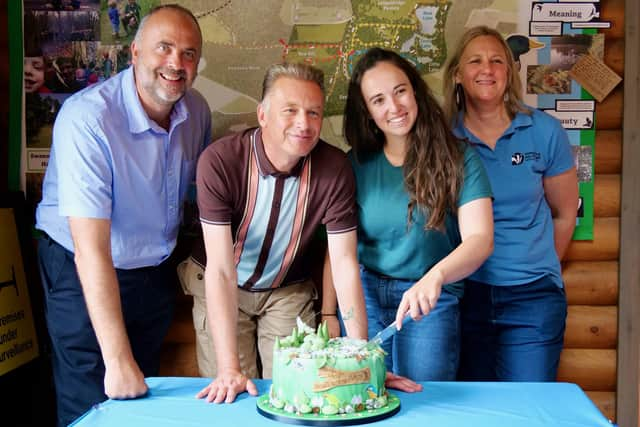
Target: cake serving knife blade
<point x="387" y="332"/>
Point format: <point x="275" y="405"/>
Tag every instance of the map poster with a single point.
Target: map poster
<point x="18" y="343"/>
<point x="77" y="46"/>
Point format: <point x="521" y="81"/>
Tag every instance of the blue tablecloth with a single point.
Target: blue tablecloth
<point x="171" y="403"/>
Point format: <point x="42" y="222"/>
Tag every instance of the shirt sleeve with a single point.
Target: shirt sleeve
<point x="341" y="215"/>
<point x="213" y="196"/>
<point x="476" y="183"/>
<point x="560" y="154"/>
<point x="84" y="167"/>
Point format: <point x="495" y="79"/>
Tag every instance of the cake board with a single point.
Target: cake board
<point x="363" y="417"/>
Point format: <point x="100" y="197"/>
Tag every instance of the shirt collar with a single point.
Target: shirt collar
<point x="265" y="167"/>
<point x="521" y="120"/>
<point x="139" y="121"/>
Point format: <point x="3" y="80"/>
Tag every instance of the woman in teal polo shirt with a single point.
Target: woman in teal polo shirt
<point x="424" y="205"/>
<point x="514" y="308"/>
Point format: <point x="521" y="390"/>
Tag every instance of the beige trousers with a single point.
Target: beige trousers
<point x="262" y="316"/>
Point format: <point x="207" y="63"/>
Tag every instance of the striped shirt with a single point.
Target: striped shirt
<point x="273" y="215"/>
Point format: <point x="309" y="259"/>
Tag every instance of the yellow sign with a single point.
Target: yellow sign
<point x="18" y="343"/>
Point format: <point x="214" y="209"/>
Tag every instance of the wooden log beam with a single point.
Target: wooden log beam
<point x="614" y="54"/>
<point x="178" y="360"/>
<point x="608" y="154"/>
<point x="591" y="282"/>
<point x="606" y="195"/>
<point x="613" y="11"/>
<point x="605" y="401"/>
<point x="591" y="326"/>
<point x="591" y="369"/>
<point x="609" y="111"/>
<point x="605" y="245"/>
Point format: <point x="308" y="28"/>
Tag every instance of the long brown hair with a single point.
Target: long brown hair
<point x="454" y="101"/>
<point x="433" y="164"/>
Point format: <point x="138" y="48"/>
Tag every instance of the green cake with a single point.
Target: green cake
<point x="313" y="374"/>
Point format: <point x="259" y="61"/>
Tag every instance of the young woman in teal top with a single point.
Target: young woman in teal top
<point x="424" y="206"/>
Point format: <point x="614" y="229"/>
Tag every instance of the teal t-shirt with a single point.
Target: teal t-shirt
<point x="386" y="243"/>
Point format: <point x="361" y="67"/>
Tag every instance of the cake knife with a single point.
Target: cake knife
<point x="387" y="332"/>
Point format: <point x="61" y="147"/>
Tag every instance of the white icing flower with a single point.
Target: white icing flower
<point x="317" y="402"/>
<point x="357" y="399"/>
<point x="303" y="327"/>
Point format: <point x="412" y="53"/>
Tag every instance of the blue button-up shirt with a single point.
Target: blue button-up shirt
<point x="110" y="160"/>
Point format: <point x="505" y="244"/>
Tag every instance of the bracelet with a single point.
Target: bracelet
<point x="329" y="314"/>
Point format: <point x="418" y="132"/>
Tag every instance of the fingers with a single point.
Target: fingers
<point x="402" y="383"/>
<point x="251" y="388"/>
<point x="416" y="302"/>
<point x="226" y="388"/>
<point x="204" y="392"/>
<point x="231" y="396"/>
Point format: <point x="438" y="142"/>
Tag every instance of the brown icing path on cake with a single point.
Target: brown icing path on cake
<point x="334" y="378"/>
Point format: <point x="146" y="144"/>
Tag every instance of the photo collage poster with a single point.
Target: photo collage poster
<point x="72" y="44"/>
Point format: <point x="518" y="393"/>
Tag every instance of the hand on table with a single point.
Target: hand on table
<point x="124" y="380"/>
<point x="401" y="383"/>
<point x="227" y="386"/>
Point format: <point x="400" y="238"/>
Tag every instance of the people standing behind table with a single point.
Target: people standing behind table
<point x="123" y="157"/>
<point x="262" y="193"/>
<point x="514" y="308"/>
<point x="250" y="189"/>
<point x="424" y="211"/>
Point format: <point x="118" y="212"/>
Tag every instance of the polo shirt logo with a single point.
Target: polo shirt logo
<point x="517" y="159"/>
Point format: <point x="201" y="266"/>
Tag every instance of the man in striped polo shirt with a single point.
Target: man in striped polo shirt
<point x="262" y="193"/>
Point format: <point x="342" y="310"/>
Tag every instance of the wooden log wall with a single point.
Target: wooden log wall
<point x="590" y="269"/>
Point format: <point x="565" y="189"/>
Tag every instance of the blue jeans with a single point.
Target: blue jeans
<point x="78" y="369"/>
<point x="512" y="333"/>
<point x="427" y="350"/>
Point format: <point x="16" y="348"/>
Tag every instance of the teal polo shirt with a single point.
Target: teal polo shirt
<point x="386" y="243"/>
<point x="534" y="147"/>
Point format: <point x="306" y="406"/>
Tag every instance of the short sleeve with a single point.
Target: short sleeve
<point x="341" y="215"/>
<point x="212" y="188"/>
<point x="84" y="167"/>
<point x="476" y="183"/>
<point x="560" y="154"/>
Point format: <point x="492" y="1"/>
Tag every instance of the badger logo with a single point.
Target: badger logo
<point x="517" y="159"/>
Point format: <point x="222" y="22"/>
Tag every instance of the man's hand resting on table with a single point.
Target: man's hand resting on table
<point x="401" y="383"/>
<point x="227" y="386"/>
<point x="123" y="380"/>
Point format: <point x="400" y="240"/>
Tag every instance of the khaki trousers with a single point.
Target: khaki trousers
<point x="262" y="316"/>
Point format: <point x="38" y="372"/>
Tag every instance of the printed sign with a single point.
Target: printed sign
<point x="18" y="343"/>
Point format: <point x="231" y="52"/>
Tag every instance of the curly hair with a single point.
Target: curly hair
<point x="433" y="164"/>
<point x="454" y="92"/>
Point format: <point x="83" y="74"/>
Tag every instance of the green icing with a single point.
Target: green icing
<point x="312" y="373"/>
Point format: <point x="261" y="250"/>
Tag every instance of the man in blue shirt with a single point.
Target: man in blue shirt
<point x="123" y="155"/>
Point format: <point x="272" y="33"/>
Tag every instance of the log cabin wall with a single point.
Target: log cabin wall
<point x="591" y="268"/>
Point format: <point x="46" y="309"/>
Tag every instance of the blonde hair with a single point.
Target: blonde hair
<point x="454" y="101"/>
